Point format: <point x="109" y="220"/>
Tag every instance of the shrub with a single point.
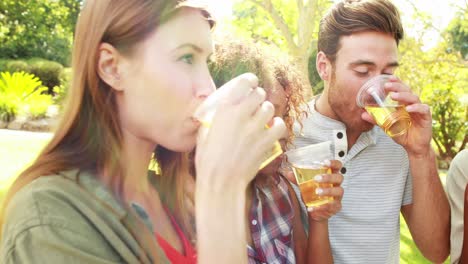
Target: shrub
<point x="62" y="90"/>
<point x="3" y="65"/>
<point x="49" y="72"/>
<point x="36" y="105"/>
<point x="14" y="66"/>
<point x="20" y="93"/>
<point x="8" y="108"/>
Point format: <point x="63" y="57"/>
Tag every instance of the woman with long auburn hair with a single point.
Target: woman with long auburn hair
<point x="139" y="72"/>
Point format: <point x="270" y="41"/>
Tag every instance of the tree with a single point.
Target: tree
<point x="440" y="77"/>
<point x="290" y="25"/>
<point x="458" y="32"/>
<point x="37" y="28"/>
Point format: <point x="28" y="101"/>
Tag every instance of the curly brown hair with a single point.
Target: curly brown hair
<point x="233" y="57"/>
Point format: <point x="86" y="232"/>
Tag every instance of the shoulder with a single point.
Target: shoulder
<point x="461" y="160"/>
<point x="458" y="171"/>
<point x="56" y="211"/>
<point x="46" y="200"/>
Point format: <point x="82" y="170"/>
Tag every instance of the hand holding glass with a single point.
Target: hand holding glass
<point x="308" y="162"/>
<point x="388" y="114"/>
<point x="206" y="111"/>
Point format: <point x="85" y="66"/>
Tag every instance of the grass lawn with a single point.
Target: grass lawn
<point x="16" y="151"/>
<point x="409" y="253"/>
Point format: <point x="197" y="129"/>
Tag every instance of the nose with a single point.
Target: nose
<point x="205" y="86"/>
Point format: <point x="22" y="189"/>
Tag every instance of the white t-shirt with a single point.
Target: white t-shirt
<point x="457" y="178"/>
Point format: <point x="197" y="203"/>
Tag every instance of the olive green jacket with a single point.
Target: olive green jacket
<point x="72" y="218"/>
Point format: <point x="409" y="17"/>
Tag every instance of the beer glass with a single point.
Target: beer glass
<point x="388" y="114"/>
<point x="308" y="162"/>
<point x="205" y="113"/>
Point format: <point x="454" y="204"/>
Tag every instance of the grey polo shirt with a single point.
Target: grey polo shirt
<point x="377" y="182"/>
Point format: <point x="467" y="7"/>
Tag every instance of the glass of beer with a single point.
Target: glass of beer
<point x="388" y="114"/>
<point x="308" y="162"/>
<point x="205" y="113"/>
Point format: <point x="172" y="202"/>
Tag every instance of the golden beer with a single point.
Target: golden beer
<point x="393" y="119"/>
<point x="307" y="184"/>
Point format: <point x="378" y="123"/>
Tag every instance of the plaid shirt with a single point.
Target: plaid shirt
<point x="271" y="220"/>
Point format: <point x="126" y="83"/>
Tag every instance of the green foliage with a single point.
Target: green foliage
<point x="254" y="22"/>
<point x="36" y="105"/>
<point x="8" y="108"/>
<point x="49" y="72"/>
<point x="440" y="78"/>
<point x="458" y="32"/>
<point x="14" y="65"/>
<point x="290" y="25"/>
<point x="21" y="93"/>
<point x="62" y="90"/>
<point x="37" y="28"/>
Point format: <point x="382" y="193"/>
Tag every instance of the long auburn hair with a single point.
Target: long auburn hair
<point x="89" y="135"/>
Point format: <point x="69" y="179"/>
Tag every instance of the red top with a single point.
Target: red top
<point x="172" y="254"/>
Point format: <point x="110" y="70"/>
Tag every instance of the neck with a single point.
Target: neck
<point x="323" y="107"/>
<point x="352" y="137"/>
<point x="135" y="158"/>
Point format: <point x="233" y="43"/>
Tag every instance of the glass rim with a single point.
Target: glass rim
<point x="369" y="84"/>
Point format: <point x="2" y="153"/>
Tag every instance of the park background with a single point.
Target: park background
<point x="36" y="38"/>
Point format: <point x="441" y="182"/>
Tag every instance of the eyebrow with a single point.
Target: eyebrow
<point x="193" y="46"/>
<point x="370" y="63"/>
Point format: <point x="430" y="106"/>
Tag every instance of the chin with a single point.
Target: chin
<point x="184" y="147"/>
<point x="181" y="145"/>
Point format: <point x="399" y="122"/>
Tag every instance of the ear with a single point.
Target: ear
<point x="108" y="65"/>
<point x="323" y="65"/>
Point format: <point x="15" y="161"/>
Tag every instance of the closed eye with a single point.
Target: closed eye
<point x="362" y="73"/>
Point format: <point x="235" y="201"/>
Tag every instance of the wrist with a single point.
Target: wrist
<point x="213" y="199"/>
<point x="421" y="154"/>
<point x="315" y="225"/>
<point x="317" y="221"/>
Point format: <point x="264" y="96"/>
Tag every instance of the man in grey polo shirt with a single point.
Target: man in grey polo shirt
<point x="382" y="176"/>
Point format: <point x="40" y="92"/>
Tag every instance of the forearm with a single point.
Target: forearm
<point x="429" y="217"/>
<point x="319" y="250"/>
<point x="220" y="221"/>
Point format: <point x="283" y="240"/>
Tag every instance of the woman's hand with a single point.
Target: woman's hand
<point x="231" y="150"/>
<point x="325" y="211"/>
<point x="228" y="156"/>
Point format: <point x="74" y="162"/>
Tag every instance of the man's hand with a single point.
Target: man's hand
<point x="417" y="140"/>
